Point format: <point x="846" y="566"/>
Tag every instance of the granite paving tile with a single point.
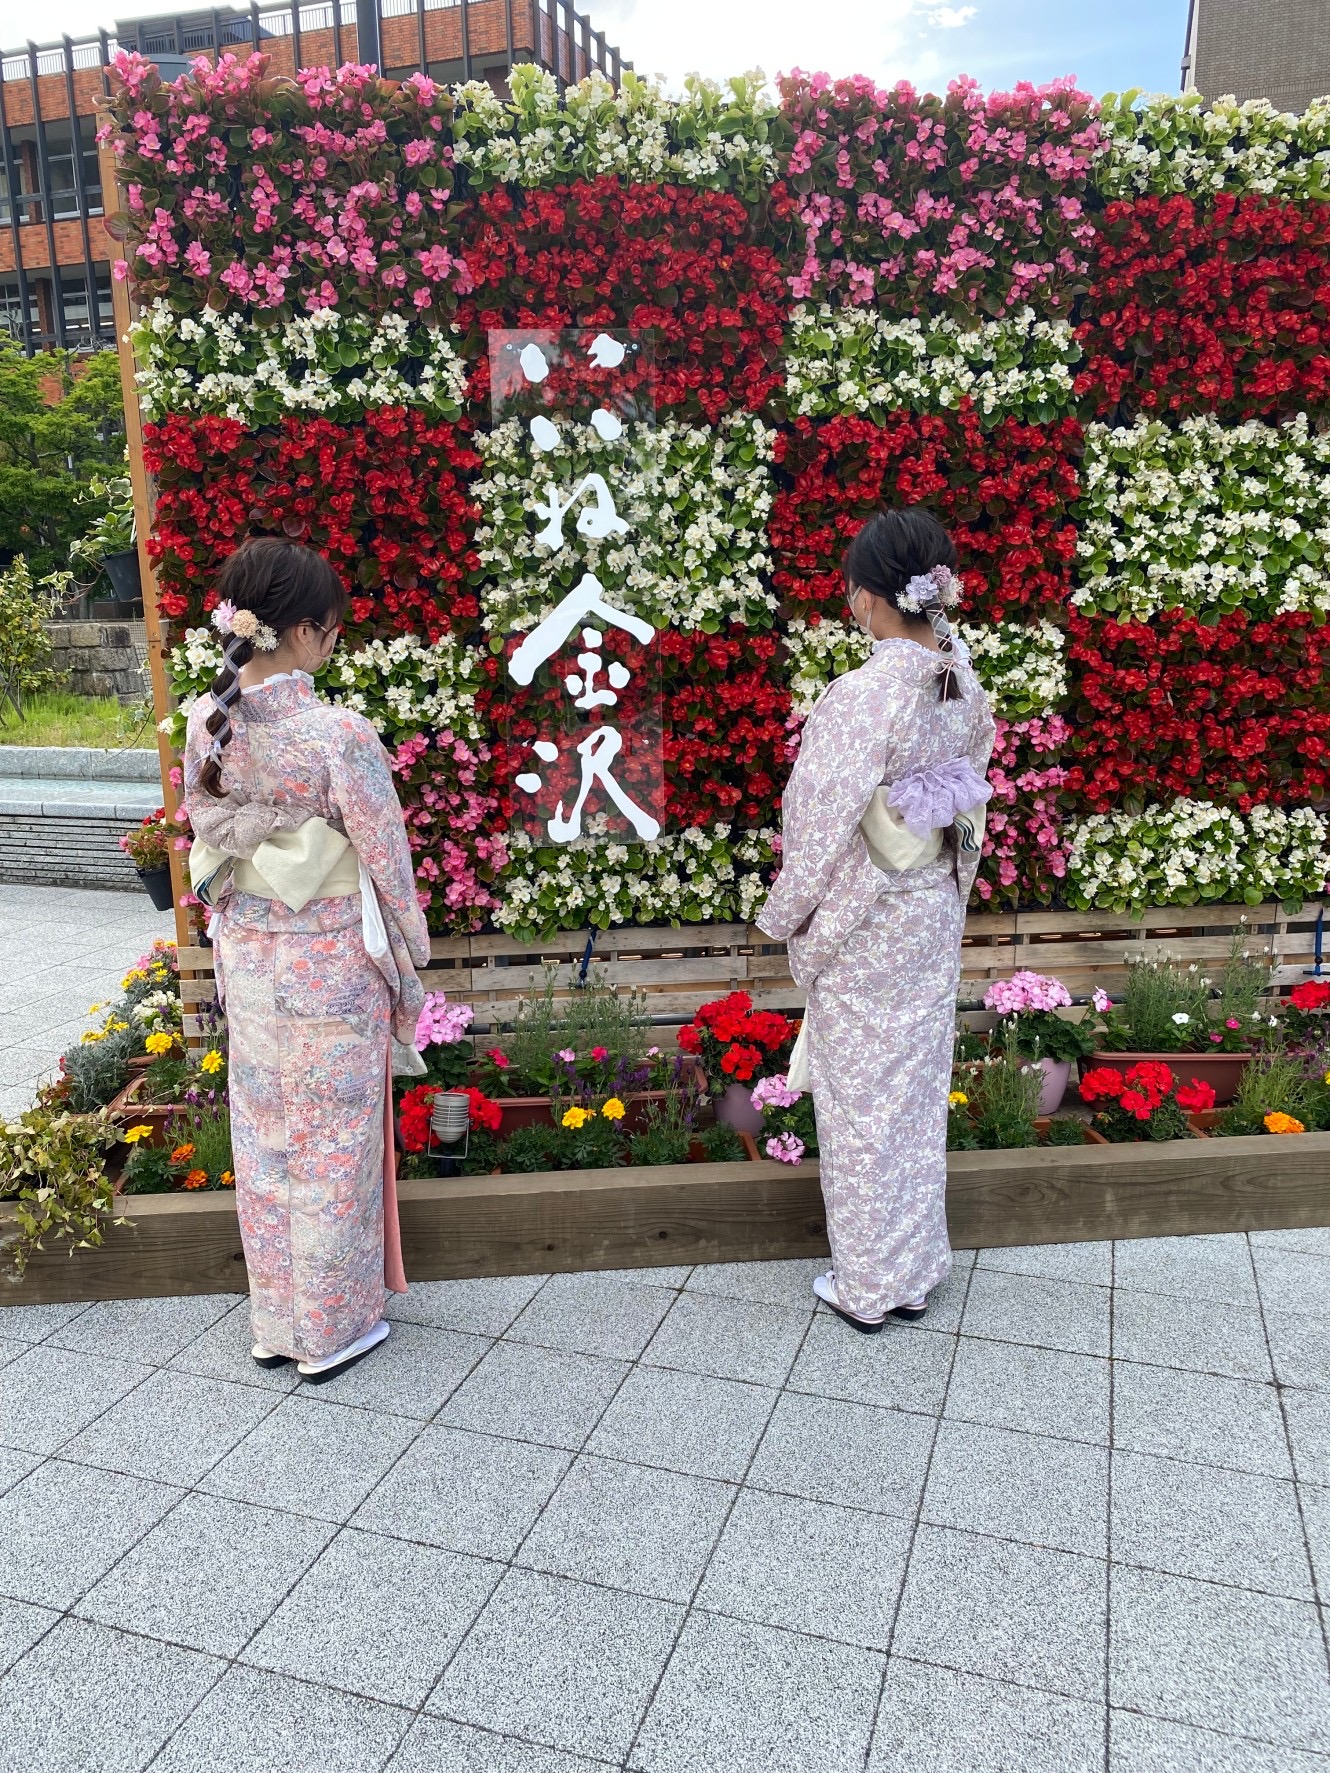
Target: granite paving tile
<point x="1019" y="1486"/>
<point x="1221" y="1526"/>
<point x="222" y="1352"/>
<point x="851" y="1454"/>
<point x="728" y="1338"/>
<point x="1198" y="1335"/>
<point x="973" y="1725"/>
<point x="684" y="1422"/>
<point x="257" y="1722"/>
<point x="483" y="1307"/>
<point x="1314" y="1240"/>
<point x="1017" y="1613"/>
<point x="535" y="1394"/>
<point x="152" y="1331"/>
<point x="751" y="1699"/>
<point x="1140" y="1744"/>
<point x="1035" y="1390"/>
<point x="313" y="1457"/>
<point x="34" y="1323"/>
<point x="1199" y="1653"/>
<point x="98" y="1701"/>
<point x="1090" y="1263"/>
<point x="765" y="1283"/>
<point x="413" y="1373"/>
<point x="463" y="1491"/>
<point x="1293" y="1280"/>
<point x="437" y="1745"/>
<point x="49" y="1394"/>
<point x="15" y="1465"/>
<point x="1031" y="1309"/>
<point x="175" y="1426"/>
<point x="21" y="1624"/>
<point x="1308" y="1416"/>
<point x="1299" y="1347"/>
<point x="375" y="1616"/>
<point x="1217" y="1268"/>
<point x="1201" y="1417"/>
<point x="209" y="1574"/>
<point x="52" y="1555"/>
<point x="829" y="1572"/>
<point x="588" y="1314"/>
<point x="560" y="1663"/>
<point x="629" y="1526"/>
<point x="1315" y="1500"/>
<point x="903" y="1368"/>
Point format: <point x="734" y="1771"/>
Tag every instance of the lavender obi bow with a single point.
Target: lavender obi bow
<point x="931" y="798"/>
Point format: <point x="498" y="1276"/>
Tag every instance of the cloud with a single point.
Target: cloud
<point x="950" y="18"/>
<point x="723" y="37"/>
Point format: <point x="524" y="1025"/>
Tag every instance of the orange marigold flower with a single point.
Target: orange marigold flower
<point x="182" y="1154"/>
<point x="196" y="1179"/>
<point x="1283" y="1123"/>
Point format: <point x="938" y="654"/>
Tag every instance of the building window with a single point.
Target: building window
<point x="80" y="334"/>
<point x="60" y="159"/>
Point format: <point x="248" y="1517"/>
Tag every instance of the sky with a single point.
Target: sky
<point x="1108" y="47"/>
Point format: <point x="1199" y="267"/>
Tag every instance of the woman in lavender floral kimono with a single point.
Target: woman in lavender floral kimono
<point x="871" y="900"/>
<point x="301" y="850"/>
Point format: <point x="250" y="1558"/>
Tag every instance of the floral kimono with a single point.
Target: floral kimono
<point x="309" y="1014"/>
<point x="879" y="957"/>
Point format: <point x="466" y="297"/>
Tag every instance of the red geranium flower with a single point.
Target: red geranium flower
<point x="1314" y="995"/>
<point x="1103" y="1082"/>
<point x="1195" y="1097"/>
<point x="741" y="1062"/>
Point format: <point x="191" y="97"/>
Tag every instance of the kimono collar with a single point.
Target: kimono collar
<point x="277" y="698"/>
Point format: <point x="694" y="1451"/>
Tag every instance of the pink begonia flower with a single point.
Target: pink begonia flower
<point x="567" y="1054"/>
<point x="786" y="1148"/>
<point x="774" y="1092"/>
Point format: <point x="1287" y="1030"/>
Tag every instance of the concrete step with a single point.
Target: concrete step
<point x="63" y="811"/>
<point x="80" y="763"/>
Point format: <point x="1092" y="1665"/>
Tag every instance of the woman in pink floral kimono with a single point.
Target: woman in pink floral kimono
<point x="882" y="817"/>
<point x="301" y="850"/>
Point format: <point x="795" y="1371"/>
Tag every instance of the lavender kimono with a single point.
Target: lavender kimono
<point x="879" y="957"/>
<point x="309" y="1015"/>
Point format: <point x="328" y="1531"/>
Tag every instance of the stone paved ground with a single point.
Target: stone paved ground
<point x="61" y="949"/>
<point x="674" y="1520"/>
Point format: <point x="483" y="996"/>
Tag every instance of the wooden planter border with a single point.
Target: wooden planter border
<point x="743" y="1212"/>
<point x="678" y="969"/>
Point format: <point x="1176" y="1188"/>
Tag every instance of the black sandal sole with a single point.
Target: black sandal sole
<point x="910" y="1314"/>
<point x="271" y="1361"/>
<point x="856" y="1323"/>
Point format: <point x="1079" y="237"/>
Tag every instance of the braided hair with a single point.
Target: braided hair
<point x="270" y="585"/>
<point x="908" y="559"/>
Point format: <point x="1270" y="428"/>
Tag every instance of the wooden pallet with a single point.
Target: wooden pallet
<point x="678" y="969"/>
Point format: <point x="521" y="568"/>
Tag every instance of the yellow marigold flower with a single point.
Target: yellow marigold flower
<point x="958" y="1099"/>
<point x="1327" y="1077"/>
<point x="159" y="1043"/>
<point x="115" y="1027"/>
<point x="95" y="1009"/>
<point x="211" y="1061"/>
<point x="1283" y="1123"/>
<point x="614" y="1109"/>
<point x="134" y="1134"/>
<point x="226" y="1180"/>
<point x="578" y="1117"/>
<point x="132" y="977"/>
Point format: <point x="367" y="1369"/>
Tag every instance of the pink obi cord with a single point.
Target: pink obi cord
<point x="929" y="799"/>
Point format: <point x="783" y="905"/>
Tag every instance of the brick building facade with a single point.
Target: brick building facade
<point x="55" y="270"/>
<point x="1272" y="49"/>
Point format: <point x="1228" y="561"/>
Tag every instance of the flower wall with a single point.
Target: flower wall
<point x="1095" y="339"/>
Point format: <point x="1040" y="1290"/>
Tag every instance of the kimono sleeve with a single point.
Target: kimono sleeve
<point x="234" y="825"/>
<point x="362" y="792"/>
<point x="842" y="761"/>
<point x="979" y="750"/>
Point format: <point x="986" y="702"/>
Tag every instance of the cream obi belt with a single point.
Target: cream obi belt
<point x="314" y="861"/>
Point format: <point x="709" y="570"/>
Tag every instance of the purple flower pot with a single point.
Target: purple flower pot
<point x="1056" y="1072"/>
<point x="735" y="1109"/>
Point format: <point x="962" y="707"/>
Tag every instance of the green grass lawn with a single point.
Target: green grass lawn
<point x="60" y="718"/>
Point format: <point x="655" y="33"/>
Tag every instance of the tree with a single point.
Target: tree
<point x="51" y="448"/>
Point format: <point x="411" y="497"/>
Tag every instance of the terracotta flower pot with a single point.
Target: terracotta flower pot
<point x="1222" y="1071"/>
<point x="1088" y="1134"/>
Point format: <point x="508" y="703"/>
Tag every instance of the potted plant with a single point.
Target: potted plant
<point x="53" y="1170"/>
<point x="1144" y="1102"/>
<point x="1281" y="1093"/>
<point x="108" y="545"/>
<point x="738" y="1047"/>
<point x="1032" y="1030"/>
<point x="1168" y="1010"/>
<point x="994" y="1104"/>
<point x="149" y="848"/>
<point x="788" y="1124"/>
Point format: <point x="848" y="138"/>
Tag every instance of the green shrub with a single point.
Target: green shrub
<point x="53" y="1167"/>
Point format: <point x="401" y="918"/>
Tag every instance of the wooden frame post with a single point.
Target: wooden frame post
<point x="162" y="700"/>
